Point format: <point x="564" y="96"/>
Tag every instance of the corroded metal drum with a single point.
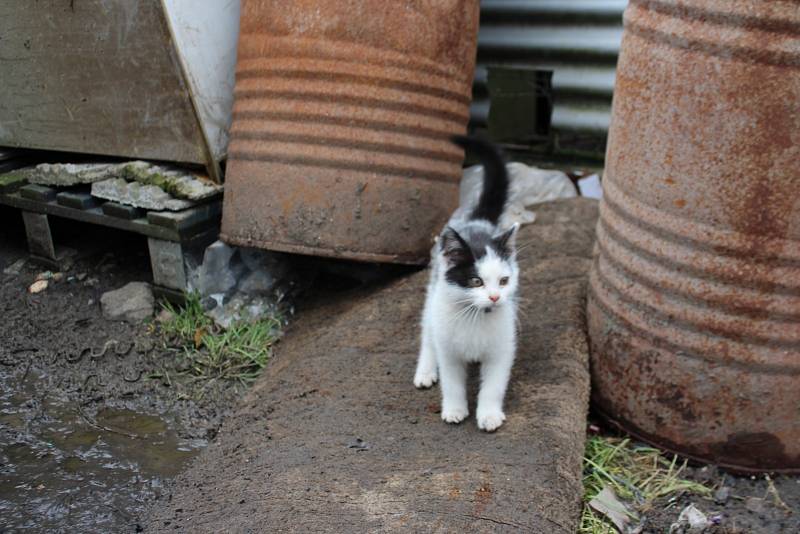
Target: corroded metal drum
<point x="694" y="306"/>
<point x="342" y="114"/>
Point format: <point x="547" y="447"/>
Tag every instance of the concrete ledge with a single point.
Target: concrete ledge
<point x="334" y="437"/>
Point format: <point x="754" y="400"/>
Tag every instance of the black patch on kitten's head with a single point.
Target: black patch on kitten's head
<point x="463" y="252"/>
<point x="459" y="256"/>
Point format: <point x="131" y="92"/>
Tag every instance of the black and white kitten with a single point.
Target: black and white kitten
<point x="470" y="308"/>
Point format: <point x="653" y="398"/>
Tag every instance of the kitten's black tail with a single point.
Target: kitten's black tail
<point x="495" y="178"/>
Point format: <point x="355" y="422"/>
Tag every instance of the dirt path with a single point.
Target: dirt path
<point x="334" y="437"/>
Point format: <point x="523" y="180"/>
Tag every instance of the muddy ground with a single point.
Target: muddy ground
<point x="96" y="416"/>
<point x="749" y="505"/>
<point x="90" y="438"/>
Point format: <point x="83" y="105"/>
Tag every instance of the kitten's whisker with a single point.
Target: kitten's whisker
<point x="460" y="314"/>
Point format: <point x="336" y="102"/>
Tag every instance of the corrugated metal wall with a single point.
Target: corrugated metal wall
<point x="577" y="39"/>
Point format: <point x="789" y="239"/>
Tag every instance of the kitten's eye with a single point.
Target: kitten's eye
<point x="475" y="282"/>
<point x="504" y="281"/>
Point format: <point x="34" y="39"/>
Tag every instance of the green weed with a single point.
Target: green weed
<point x="238" y="353"/>
<point x="637" y="474"/>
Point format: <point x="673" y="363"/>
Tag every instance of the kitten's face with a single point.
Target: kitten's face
<point x="481" y="270"/>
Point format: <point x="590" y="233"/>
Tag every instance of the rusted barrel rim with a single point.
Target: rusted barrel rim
<point x="662" y="445"/>
<point x="326" y="252"/>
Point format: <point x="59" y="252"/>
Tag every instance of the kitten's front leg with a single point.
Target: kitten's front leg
<point x="426" y="374"/>
<point x="495" y="373"/>
<point x="453" y="375"/>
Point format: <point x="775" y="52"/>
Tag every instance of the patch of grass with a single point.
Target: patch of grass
<point x="638" y="475"/>
<point x="238" y="353"/>
<point x="185" y="321"/>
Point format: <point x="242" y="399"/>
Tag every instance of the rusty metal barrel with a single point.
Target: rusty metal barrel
<point x="694" y="304"/>
<point x="342" y="114"/>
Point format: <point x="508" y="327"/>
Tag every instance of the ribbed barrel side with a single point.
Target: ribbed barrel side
<point x="694" y="305"/>
<point x="342" y="115"/>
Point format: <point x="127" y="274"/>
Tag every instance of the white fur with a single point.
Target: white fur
<point x="457" y="331"/>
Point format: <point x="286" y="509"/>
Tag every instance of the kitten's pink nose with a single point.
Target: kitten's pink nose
<point x="494" y="298"/>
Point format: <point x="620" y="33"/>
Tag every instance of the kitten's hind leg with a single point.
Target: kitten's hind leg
<point x="426" y="374"/>
<point x="454" y="389"/>
<point x="495" y="373"/>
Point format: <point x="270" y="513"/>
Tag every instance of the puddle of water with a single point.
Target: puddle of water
<point x="63" y="469"/>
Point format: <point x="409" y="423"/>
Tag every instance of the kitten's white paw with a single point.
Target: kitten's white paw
<point x="454" y="415"/>
<point x="491" y="421"/>
<point x="425" y="380"/>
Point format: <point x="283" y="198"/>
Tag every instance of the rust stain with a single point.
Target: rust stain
<point x="694" y="303"/>
<point x="482" y="497"/>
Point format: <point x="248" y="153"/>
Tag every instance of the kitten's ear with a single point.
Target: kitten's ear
<point x="454" y="248"/>
<point x="508" y="240"/>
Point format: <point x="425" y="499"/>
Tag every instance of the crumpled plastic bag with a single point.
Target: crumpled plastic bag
<point x="528" y="186"/>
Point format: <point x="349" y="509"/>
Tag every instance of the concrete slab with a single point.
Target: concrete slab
<point x="334" y="437"/>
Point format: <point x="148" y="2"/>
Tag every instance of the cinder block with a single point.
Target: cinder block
<point x="166" y="261"/>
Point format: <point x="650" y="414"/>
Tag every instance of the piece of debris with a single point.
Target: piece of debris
<point x="690" y="521"/>
<point x="590" y="186"/>
<point x="134" y="194"/>
<point x="49" y="275"/>
<point x="358" y="444"/>
<point x="220" y="271"/>
<point x="132" y="303"/>
<point x="63" y="174"/>
<point x="212" y="301"/>
<point x="241" y="308"/>
<point x="176" y="181"/>
<point x="707" y="474"/>
<point x="607" y="504"/>
<point x="15" y="268"/>
<point x="776" y="497"/>
<point x="722" y="495"/>
<point x="242" y="284"/>
<point x="38" y="286"/>
<point x="755" y="505"/>
<point x="164" y="316"/>
<point x="257" y="282"/>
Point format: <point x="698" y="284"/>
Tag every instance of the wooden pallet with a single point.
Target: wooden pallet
<point x="170" y="235"/>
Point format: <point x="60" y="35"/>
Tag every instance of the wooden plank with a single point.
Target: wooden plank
<point x="121" y="211"/>
<point x="93" y="216"/>
<point x="95" y="77"/>
<point x="181" y="220"/>
<point x="39" y="193"/>
<point x="80" y="201"/>
<point x="40" y="240"/>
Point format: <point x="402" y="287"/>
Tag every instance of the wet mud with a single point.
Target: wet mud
<point x="96" y="416"/>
